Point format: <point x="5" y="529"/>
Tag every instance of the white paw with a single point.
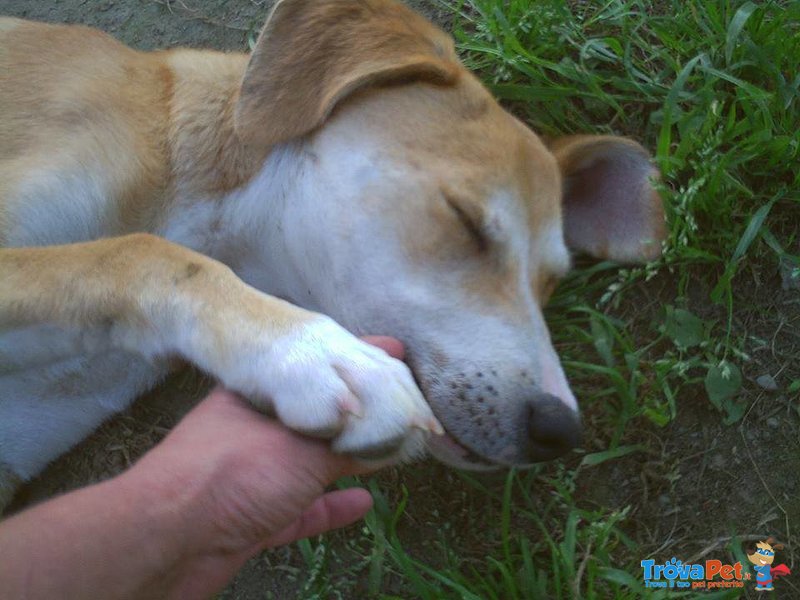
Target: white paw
<point x="325" y="382"/>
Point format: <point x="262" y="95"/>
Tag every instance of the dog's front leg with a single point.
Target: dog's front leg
<point x="143" y="294"/>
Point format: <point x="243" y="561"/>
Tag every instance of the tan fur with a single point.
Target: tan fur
<point x="165" y="119"/>
<point x="131" y="282"/>
<point x="155" y="122"/>
<point x="95" y="100"/>
<point x="386" y="43"/>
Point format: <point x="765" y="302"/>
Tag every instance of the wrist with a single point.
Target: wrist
<point x="169" y="504"/>
<point x="194" y="560"/>
<point x="156" y="529"/>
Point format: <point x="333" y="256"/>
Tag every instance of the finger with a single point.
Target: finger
<point x="392" y="346"/>
<point x="222" y="399"/>
<point x="330" y="511"/>
<point x="290" y="449"/>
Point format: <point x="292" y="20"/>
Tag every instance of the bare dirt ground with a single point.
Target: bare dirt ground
<point x="698" y="482"/>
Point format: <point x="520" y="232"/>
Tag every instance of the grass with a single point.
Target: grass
<point x="713" y="87"/>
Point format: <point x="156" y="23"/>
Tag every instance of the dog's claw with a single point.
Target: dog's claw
<point x="431" y="425"/>
<point x="417" y="423"/>
<point x="435" y="427"/>
<point x="352" y="406"/>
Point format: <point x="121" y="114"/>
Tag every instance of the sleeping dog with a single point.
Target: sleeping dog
<point x="252" y="214"/>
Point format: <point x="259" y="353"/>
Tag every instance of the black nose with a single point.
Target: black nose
<point x="553" y="428"/>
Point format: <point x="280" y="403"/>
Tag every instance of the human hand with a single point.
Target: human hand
<point x="242" y="482"/>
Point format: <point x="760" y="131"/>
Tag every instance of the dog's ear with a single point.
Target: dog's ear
<point x="312" y="54"/>
<point x="611" y="209"/>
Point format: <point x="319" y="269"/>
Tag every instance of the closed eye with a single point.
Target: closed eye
<point x="471" y="224"/>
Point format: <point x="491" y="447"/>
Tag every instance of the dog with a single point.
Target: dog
<point x="253" y="214"/>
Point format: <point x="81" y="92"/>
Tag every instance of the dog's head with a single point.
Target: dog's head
<point x="433" y="215"/>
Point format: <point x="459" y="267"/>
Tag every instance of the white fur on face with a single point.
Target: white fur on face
<point x="347" y="255"/>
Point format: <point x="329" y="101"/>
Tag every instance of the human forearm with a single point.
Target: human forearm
<point x="224" y="484"/>
<point x="120" y="539"/>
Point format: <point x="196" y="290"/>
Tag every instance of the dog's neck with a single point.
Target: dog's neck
<point x="228" y="199"/>
<point x="244" y="228"/>
<point x="207" y="156"/>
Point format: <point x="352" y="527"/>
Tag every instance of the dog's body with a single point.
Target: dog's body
<point x="149" y="202"/>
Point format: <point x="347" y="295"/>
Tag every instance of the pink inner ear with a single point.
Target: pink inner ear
<point x="611" y="210"/>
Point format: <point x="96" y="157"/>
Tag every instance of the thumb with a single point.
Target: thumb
<point x="330" y="511"/>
